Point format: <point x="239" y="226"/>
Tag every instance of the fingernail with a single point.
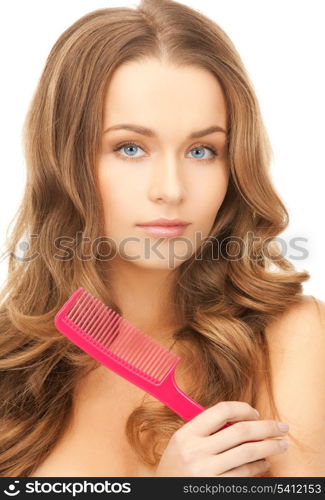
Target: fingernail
<point x="257" y="413"/>
<point x="283" y="426"/>
<point x="284" y="444"/>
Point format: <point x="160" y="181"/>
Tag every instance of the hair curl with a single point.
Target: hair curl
<point x="225" y="304"/>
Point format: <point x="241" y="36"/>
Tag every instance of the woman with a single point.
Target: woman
<point x="141" y="115"/>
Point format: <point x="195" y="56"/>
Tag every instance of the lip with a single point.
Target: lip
<point x="164" y="231"/>
<point x="165" y="223"/>
<point x="165" y="227"/>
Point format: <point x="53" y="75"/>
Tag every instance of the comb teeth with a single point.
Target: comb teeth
<point x="108" y="331"/>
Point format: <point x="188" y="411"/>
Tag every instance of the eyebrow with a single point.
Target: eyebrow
<point x="151" y="133"/>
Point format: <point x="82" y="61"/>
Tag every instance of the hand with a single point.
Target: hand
<point x="198" y="450"/>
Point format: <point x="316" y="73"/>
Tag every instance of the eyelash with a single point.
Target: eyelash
<point x="121" y="145"/>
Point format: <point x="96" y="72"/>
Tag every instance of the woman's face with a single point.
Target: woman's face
<point x="165" y="173"/>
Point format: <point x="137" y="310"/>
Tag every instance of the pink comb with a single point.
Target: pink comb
<point x="111" y="340"/>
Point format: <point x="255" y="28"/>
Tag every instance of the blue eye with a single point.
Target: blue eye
<point x="201" y="150"/>
<point x="130" y="150"/>
<point x="130" y="147"/>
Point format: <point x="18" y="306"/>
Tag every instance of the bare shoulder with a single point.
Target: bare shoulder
<point x="296" y="341"/>
<point x="298" y="325"/>
<point x="298" y="332"/>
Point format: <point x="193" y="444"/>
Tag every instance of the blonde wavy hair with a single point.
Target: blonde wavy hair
<point x="224" y="304"/>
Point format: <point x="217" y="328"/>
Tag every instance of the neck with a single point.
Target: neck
<point x="144" y="298"/>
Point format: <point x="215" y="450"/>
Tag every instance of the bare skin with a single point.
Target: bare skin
<point x="95" y="445"/>
<point x="164" y="177"/>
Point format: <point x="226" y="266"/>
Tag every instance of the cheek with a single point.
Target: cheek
<point x="210" y="195"/>
<point x="117" y="194"/>
<point x="113" y="206"/>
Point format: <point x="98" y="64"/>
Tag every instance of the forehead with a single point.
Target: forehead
<point x="159" y="94"/>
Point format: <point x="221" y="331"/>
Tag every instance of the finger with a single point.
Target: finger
<point x="214" y="418"/>
<point x="241" y="432"/>
<point x="260" y="467"/>
<point x="246" y="453"/>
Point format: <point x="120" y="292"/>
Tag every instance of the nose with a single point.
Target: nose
<point x="166" y="182"/>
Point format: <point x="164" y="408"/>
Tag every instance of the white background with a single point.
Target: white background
<point x="282" y="46"/>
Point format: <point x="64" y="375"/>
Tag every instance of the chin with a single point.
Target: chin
<point x="159" y="264"/>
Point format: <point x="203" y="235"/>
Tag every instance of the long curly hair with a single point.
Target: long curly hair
<point x="225" y="304"/>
